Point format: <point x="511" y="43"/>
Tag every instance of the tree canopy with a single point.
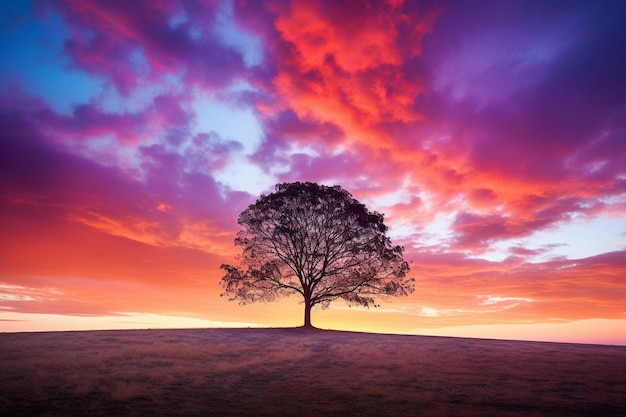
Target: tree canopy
<point x="316" y="241"/>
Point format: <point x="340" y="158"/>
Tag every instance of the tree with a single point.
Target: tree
<point x="316" y="241"/>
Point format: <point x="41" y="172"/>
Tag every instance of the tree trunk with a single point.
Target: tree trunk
<point x="307" y="311"/>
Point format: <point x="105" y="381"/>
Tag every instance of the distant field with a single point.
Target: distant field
<point x="234" y="372"/>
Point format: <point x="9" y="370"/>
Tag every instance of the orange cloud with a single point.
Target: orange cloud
<point x="54" y="265"/>
<point x="456" y="290"/>
<point x="344" y="65"/>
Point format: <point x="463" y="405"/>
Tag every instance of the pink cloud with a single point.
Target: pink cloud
<point x="38" y="169"/>
<point x="129" y="42"/>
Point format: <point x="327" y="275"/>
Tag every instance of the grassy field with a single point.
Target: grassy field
<point x="257" y="372"/>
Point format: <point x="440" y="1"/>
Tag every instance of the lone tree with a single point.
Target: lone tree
<point x="316" y="241"/>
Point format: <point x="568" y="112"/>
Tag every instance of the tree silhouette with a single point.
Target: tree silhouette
<point x="316" y="241"/>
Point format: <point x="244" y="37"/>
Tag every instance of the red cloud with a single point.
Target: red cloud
<point x="343" y="64"/>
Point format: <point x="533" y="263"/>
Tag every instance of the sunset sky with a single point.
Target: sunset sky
<point x="491" y="134"/>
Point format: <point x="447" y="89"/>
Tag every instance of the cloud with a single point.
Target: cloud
<point x="477" y="231"/>
<point x="473" y="127"/>
<point x="128" y="43"/>
<point x="37" y="169"/>
<point x="523" y="291"/>
<point x="491" y="300"/>
<point x="320" y="75"/>
<point x="462" y="101"/>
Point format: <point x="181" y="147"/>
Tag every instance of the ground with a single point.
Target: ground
<point x="234" y="372"/>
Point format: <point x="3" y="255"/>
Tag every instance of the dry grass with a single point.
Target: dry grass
<point x="222" y="372"/>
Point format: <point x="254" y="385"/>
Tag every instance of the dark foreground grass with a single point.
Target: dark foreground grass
<point x="260" y="372"/>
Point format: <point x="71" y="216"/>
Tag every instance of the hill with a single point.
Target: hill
<point x="228" y="372"/>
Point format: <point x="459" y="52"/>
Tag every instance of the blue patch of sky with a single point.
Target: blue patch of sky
<point x="33" y="62"/>
<point x="575" y="240"/>
<point x="139" y="98"/>
<point x="177" y="19"/>
<point x="233" y="121"/>
<point x="250" y="46"/>
<point x="589" y="237"/>
<point x="229" y="122"/>
<point x="242" y="175"/>
<point x="240" y="125"/>
<point x="229" y="33"/>
<point x="437" y="234"/>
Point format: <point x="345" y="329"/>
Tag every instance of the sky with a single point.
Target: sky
<point x="491" y="135"/>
